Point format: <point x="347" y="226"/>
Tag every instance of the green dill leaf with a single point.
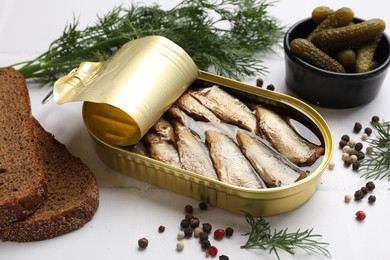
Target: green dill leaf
<point x="228" y="42"/>
<point x="261" y="237"/>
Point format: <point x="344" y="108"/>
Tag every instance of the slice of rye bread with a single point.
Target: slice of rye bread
<point x="22" y="173"/>
<point x="72" y="198"/>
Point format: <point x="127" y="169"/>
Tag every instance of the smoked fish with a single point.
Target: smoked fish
<point x="285" y="139"/>
<point x="226" y="107"/>
<point x="193" y="153"/>
<point x="230" y="164"/>
<point x="272" y="169"/>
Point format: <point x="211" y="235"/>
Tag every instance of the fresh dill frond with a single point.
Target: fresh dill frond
<point x="262" y="237"/>
<point x="225" y="36"/>
<point x="376" y="165"/>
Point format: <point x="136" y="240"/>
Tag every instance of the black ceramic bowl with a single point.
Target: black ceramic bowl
<point x="332" y="89"/>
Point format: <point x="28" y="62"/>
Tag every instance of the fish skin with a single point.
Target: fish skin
<point x="175" y="113"/>
<point x="226" y="107"/>
<point x="230" y="164"/>
<point x="279" y="133"/>
<point x="194" y="108"/>
<point x="164" y="129"/>
<point x="272" y="169"/>
<point x="138" y="148"/>
<point x="161" y="150"/>
<point x="193" y="153"/>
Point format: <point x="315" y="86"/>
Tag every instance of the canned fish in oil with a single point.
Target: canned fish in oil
<point x="265" y="201"/>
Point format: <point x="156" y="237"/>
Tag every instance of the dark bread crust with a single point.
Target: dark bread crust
<point x="22" y="174"/>
<point x="72" y="198"/>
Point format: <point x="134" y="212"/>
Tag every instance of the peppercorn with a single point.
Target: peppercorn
<point x="357" y="127"/>
<point x="369" y="150"/>
<point x="188" y="232"/>
<point x="180" y="234"/>
<point x="370" y="185"/>
<point x="358" y="195"/>
<point x="203" y="236"/>
<point x="188" y="209"/>
<point x="271" y="87"/>
<point x="356" y="166"/>
<point x="203" y="206"/>
<point x="358" y="146"/>
<point x="364" y="190"/>
<point x="207" y="227"/>
<point x="219" y="233"/>
<point x="347" y="162"/>
<point x="194" y="222"/>
<point x="259" y="82"/>
<point x="161" y="229"/>
<point x="343" y="143"/>
<point x="229" y="232"/>
<point x="184" y="223"/>
<point x="364" y="136"/>
<point x="346" y="149"/>
<point x="360" y="215"/>
<point x="353" y="158"/>
<point x="143" y="243"/>
<point x="180" y="246"/>
<point x="371" y="199"/>
<point x="223" y="257"/>
<point x="197" y="232"/>
<point x="189" y="216"/>
<point x="331" y="165"/>
<point x="360" y="155"/>
<point x="205" y="244"/>
<point x="212" y="251"/>
<point x="375" y="119"/>
<point x="368" y="131"/>
<point x="345" y="138"/>
<point x="347" y="198"/>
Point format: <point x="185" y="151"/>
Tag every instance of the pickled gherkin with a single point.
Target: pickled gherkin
<point x="307" y="51"/>
<point x="336" y="39"/>
<point x="339" y="18"/>
<point x="346" y="57"/>
<point x="320" y="13"/>
<point x="365" y="56"/>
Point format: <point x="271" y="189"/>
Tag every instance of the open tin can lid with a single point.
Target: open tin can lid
<point x="129" y="92"/>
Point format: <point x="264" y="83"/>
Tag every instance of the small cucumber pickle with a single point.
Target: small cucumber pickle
<point x="338" y="44"/>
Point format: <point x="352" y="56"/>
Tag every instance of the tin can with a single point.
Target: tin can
<point x="99" y="111"/>
<point x="129" y="92"/>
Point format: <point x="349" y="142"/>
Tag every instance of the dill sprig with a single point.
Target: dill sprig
<point x="224" y="36"/>
<point x="262" y="237"/>
<point x="376" y="165"/>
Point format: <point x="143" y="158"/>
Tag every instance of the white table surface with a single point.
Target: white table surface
<point x="131" y="209"/>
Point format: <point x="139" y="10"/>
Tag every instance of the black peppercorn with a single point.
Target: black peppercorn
<point x="364" y="190"/>
<point x="203" y="206"/>
<point x="343" y="143"/>
<point x="358" y="195"/>
<point x="370" y="185"/>
<point x="161" y="229"/>
<point x="271" y="87"/>
<point x="345" y="138"/>
<point x="259" y="82"/>
<point x="203" y="236"/>
<point x="223" y="257"/>
<point x="143" y="242"/>
<point x="194" y="222"/>
<point x="229" y="232"/>
<point x="371" y="199"/>
<point x="207" y="227"/>
<point x="188" y="209"/>
<point x="375" y="119"/>
<point x="185" y="223"/>
<point x="188" y="232"/>
<point x="368" y="131"/>
<point x="360" y="155"/>
<point x="205" y="244"/>
<point x="358" y="146"/>
<point x="357" y="127"/>
<point x="356" y="166"/>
